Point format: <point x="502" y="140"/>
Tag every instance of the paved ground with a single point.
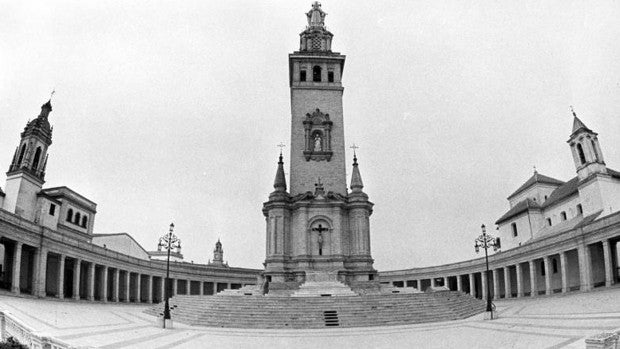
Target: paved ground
<point x="559" y="321"/>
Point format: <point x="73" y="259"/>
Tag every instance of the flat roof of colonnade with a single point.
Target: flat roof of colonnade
<point x="586" y="232"/>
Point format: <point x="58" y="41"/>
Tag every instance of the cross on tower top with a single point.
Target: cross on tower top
<point x="281" y="146"/>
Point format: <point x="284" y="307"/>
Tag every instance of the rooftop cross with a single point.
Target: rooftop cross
<point x="573" y="111"/>
<point x="281" y="146"/>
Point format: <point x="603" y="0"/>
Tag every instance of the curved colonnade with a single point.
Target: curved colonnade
<point x="44" y="262"/>
<point x="578" y="259"/>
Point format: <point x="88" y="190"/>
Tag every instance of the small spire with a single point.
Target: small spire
<point x="356" y="179"/>
<point x="280" y="182"/>
<point x="577" y="123"/>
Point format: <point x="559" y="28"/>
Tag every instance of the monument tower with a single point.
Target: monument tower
<point x="317" y="227"/>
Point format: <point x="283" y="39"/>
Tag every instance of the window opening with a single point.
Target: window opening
<point x="582" y="156"/>
<point x="542" y="268"/>
<point x="37" y="157"/>
<point x="21" y="155"/>
<point x="549" y="221"/>
<point x="579" y="209"/>
<point x="76" y="219"/>
<point x="514" y="229"/>
<point x="316" y="74"/>
<point x="302" y="75"/>
<point x="594" y="150"/>
<point x="84" y="221"/>
<point x="52" y="209"/>
<point x="555" y="265"/>
<point x="69" y="215"/>
<point x="330" y="76"/>
<point x="563" y="215"/>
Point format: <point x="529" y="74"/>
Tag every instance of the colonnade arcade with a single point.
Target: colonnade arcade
<point x="43" y="272"/>
<point x="572" y="261"/>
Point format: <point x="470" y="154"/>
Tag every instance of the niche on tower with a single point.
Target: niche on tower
<point x="318" y="128"/>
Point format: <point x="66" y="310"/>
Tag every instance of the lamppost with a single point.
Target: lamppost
<point x="485" y="241"/>
<point x="169" y="241"/>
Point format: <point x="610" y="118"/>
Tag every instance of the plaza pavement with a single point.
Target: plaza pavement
<point x="558" y="321"/>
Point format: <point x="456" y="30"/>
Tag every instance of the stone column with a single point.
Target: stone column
<point x="41" y="271"/>
<point x="585" y="267"/>
<point x="149" y="292"/>
<point x="507" y="284"/>
<point x="548" y="272"/>
<point x="17" y="263"/>
<point x="495" y="283"/>
<point x="433" y="282"/>
<point x="116" y="285"/>
<point x="138" y="288"/>
<point x="533" y="279"/>
<point x="564" y="270"/>
<point x="445" y="282"/>
<point x="127" y="286"/>
<point x="484" y="284"/>
<point x="61" y="277"/>
<point x="459" y="283"/>
<point x="189" y="287"/>
<point x="91" y="281"/>
<point x="472" y="285"/>
<point x="202" y="288"/>
<point x="174" y="287"/>
<point x="609" y="276"/>
<point x="104" y="284"/>
<point x="419" y="281"/>
<point x="519" y="280"/>
<point x="76" y="278"/>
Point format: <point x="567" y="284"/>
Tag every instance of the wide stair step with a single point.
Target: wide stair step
<point x="271" y="312"/>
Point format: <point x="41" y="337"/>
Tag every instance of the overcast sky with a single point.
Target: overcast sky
<point x="170" y="111"/>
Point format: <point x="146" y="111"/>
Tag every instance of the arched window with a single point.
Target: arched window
<point x="84" y="221"/>
<point x="37" y="157"/>
<point x="69" y="215"/>
<point x="316" y="73"/>
<point x="579" y="209"/>
<point x="563" y="215"/>
<point x="21" y="155"/>
<point x="594" y="150"/>
<point x="514" y="229"/>
<point x="582" y="156"/>
<point x="76" y="219"/>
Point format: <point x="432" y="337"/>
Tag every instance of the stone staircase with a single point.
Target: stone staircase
<point x="321" y="312"/>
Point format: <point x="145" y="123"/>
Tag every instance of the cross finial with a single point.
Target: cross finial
<point x="281" y="146"/>
<point x="573" y="111"/>
<point x="535" y="169"/>
<point x="354" y="147"/>
<point x="52" y="94"/>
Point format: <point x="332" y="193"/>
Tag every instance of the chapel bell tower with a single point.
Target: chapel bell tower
<point x="317" y="229"/>
<point x="26" y="174"/>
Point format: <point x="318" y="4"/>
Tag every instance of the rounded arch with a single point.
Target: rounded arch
<point x="84" y="221"/>
<point x="70" y="215"/>
<point x="37" y="158"/>
<point x="316" y="73"/>
<point x="21" y="155"/>
<point x="582" y="155"/>
<point x="76" y="219"/>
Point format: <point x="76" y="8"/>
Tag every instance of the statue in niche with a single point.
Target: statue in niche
<point x="317" y="143"/>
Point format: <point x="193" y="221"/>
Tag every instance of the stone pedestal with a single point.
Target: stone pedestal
<point x="605" y="340"/>
<point x="160" y="323"/>
<point x="323" y="284"/>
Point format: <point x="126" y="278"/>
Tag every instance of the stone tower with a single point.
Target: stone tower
<point x="26" y="174"/>
<point x="317" y="227"/>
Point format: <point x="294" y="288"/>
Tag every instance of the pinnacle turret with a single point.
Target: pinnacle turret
<point x="280" y="182"/>
<point x="356" y="179"/>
